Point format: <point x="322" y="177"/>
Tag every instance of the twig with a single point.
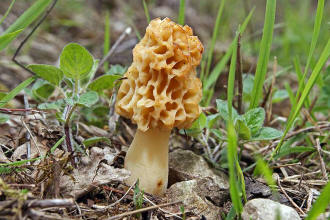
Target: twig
<point x="47" y="203"/>
<point x="33" y="139"/>
<point x="289" y="198"/>
<point x="27" y="134"/>
<point x="143" y="210"/>
<point x="239" y="76"/>
<point x="113" y="204"/>
<point x="163" y="210"/>
<point x="34" y="214"/>
<point x="322" y="165"/>
<point x="127" y="31"/>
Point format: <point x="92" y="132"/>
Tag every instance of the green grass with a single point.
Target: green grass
<point x="264" y="53"/>
<point x="210" y="80"/>
<point x="146" y="10"/>
<point x="15" y="91"/>
<point x="320" y="205"/>
<point x="181" y="12"/>
<point x="215" y="34"/>
<point x="7" y="12"/>
<point x="106" y="43"/>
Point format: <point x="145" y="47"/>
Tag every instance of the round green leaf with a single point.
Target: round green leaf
<point x="88" y="99"/>
<point x="75" y="61"/>
<point x="50" y="73"/>
<point x="103" y="82"/>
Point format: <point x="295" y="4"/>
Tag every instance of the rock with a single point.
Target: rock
<point x="265" y="209"/>
<point x="193" y="197"/>
<point x="94" y="170"/>
<point x="202" y="189"/>
<point x="185" y="165"/>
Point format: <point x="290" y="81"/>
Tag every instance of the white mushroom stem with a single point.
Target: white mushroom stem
<point x="147" y="159"/>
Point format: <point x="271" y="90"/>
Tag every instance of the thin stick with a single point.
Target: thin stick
<point x="143" y="210"/>
<point x="46" y="203"/>
<point x="27" y="134"/>
<point x="322" y="164"/>
<point x="127" y="31"/>
<point x="163" y="210"/>
<point x="118" y="201"/>
<point x="289" y="198"/>
<point x="29" y="35"/>
<point x="239" y="76"/>
<point x="33" y="139"/>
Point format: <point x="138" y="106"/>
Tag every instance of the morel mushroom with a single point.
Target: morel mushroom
<point x="161" y="92"/>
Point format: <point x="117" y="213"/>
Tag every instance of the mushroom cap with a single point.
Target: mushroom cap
<point x="161" y="89"/>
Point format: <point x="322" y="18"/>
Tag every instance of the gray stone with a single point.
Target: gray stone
<point x="185" y="165"/>
<point x="201" y="188"/>
<point x="266" y="209"/>
<point x="193" y="197"/>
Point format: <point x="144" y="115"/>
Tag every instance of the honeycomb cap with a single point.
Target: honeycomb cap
<point x="161" y="89"/>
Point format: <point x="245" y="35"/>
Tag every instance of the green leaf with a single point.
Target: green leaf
<point x="248" y="80"/>
<point x="254" y="119"/>
<point x="50" y="73"/>
<point x="117" y="70"/>
<point x="243" y="130"/>
<point x="218" y="134"/>
<point x="56" y="105"/>
<point x="75" y="61"/>
<point x="293" y="150"/>
<point x="42" y="90"/>
<point x="93" y="140"/>
<point x="88" y="99"/>
<point x="222" y="107"/>
<point x="320" y="204"/>
<point x="198" y="125"/>
<point x="103" y="82"/>
<point x="267" y="133"/>
<point x="3" y="118"/>
<point x="280" y="95"/>
<point x="264" y="53"/>
<point x="15" y="91"/>
<point x="90" y="75"/>
<point x="5" y="39"/>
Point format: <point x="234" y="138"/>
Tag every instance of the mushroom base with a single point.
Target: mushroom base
<point x="147" y="159"/>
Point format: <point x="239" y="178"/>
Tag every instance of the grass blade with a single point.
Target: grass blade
<point x="7" y="38"/>
<point x="30" y="15"/>
<point x="309" y="85"/>
<point x="214" y="37"/>
<point x="15" y="91"/>
<point x="316" y="32"/>
<point x="320" y="204"/>
<point x="181" y="12"/>
<point x="233" y="164"/>
<point x="22" y="22"/>
<point x="146" y="10"/>
<point x="210" y="81"/>
<point x="232" y="157"/>
<point x="264" y="53"/>
<point x="106" y="44"/>
<point x="7" y="12"/>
